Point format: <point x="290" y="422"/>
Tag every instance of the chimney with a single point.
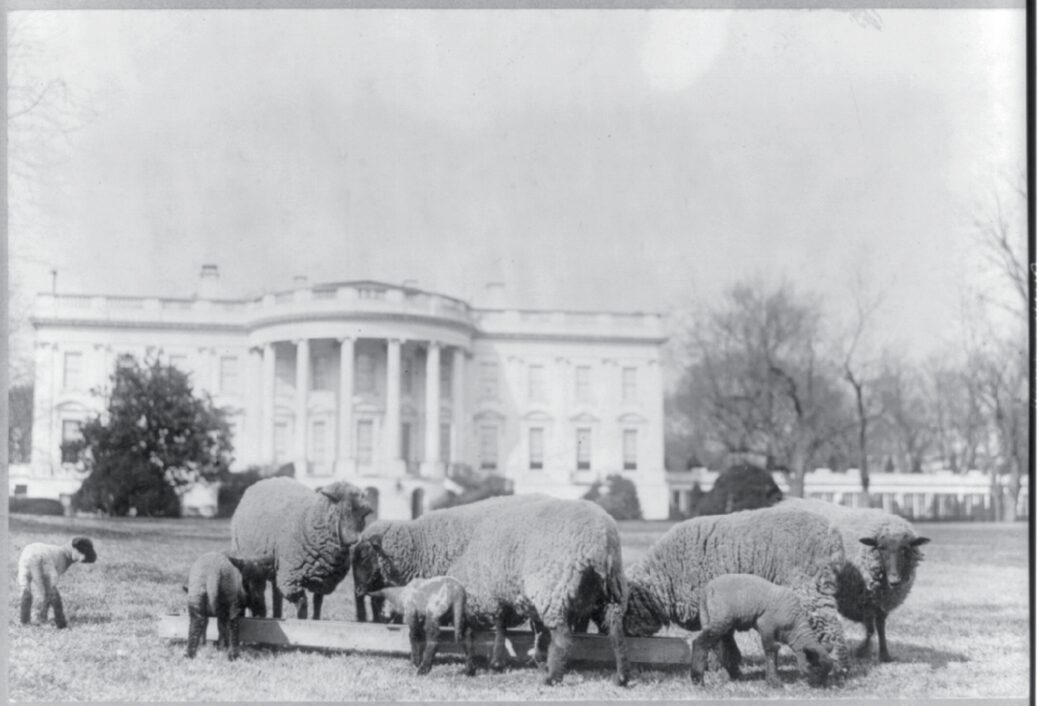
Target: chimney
<point x="209" y="282"/>
<point x="494" y="295"/>
<point x="299" y="281"/>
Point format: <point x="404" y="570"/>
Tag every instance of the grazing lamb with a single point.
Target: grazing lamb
<point x="308" y="532"/>
<point x="799" y="550"/>
<point x="520" y="557"/>
<point x="39" y="568"/>
<point x="426" y="604"/>
<point x="743" y="602"/>
<point x="882" y="552"/>
<point x="223" y="586"/>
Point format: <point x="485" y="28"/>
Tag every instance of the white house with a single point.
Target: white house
<point x="381" y="385"/>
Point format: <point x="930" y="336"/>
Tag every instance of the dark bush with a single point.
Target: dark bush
<point x="476" y="486"/>
<point x="35" y="506"/>
<point x="620" y="500"/>
<point x="740" y="487"/>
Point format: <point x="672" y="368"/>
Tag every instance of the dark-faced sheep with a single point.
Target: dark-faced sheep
<point x="309" y="533"/>
<point x="527" y="557"/>
<point x="882" y="552"/>
<point x="39" y="568"/>
<point x="799" y="550"/>
<point x="744" y="602"/>
<point x="425" y="605"/>
<point x="223" y="586"/>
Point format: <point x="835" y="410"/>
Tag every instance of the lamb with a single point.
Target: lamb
<point x="425" y="604"/>
<point x="39" y="568"/>
<point x="533" y="557"/>
<point x="799" y="550"/>
<point x="309" y="533"/>
<point x="223" y="586"/>
<point x="743" y="601"/>
<point x="882" y="552"/>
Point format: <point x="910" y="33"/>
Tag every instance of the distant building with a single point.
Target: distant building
<point x="384" y="386"/>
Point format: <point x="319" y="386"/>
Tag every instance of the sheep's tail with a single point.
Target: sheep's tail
<point x="459" y="615"/>
<point x="212" y="591"/>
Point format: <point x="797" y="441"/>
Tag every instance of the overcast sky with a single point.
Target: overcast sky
<point x="588" y="159"/>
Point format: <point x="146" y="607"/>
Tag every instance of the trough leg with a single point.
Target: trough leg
<point x="59" y="609"/>
<point x="615" y="618"/>
<point x="561" y="643"/>
<point x="318" y="599"/>
<point x="26" y="614"/>
<point x="433" y="632"/>
<point x="883" y="654"/>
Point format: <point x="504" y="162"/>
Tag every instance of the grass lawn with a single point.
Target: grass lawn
<point x="964" y="632"/>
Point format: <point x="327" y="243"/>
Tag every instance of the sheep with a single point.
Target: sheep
<point x="799" y="550"/>
<point x="424" y="604"/>
<point x="223" y="586"/>
<point x="743" y="601"/>
<point x="552" y="561"/>
<point x="308" y="532"/>
<point x="882" y="552"/>
<point x="39" y="568"/>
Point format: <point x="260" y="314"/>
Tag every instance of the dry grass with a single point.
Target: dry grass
<point x="963" y="632"/>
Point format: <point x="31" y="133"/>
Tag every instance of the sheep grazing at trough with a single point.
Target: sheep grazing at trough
<point x="309" y="533"/>
<point x="222" y="586"/>
<point x="882" y="552"/>
<point x="39" y="568"/>
<point x="799" y="550"/>
<point x="426" y="604"/>
<point x="744" y="602"/>
<point x="521" y="557"/>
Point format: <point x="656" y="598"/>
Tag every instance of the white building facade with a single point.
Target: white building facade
<point x="381" y="385"/>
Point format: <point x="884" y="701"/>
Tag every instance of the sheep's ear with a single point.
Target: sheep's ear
<point x="329" y="493"/>
<point x="375" y="541"/>
<point x="236" y="561"/>
<point x="919" y="541"/>
<point x="185" y="588"/>
<point x="869" y="541"/>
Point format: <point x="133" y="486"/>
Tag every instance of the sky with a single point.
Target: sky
<point x="588" y="159"/>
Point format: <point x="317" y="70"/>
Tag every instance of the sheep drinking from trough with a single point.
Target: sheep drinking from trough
<point x="222" y="586"/>
<point x="39" y="568"/>
<point x="882" y="552"/>
<point x="743" y="602"/>
<point x="554" y="562"/>
<point x="309" y="533"/>
<point x="425" y="604"/>
<point x="799" y="550"/>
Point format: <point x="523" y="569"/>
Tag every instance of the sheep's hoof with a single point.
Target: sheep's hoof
<point x="470" y="671"/>
<point x="232" y="656"/>
<point x="696" y="677"/>
<point x="885" y="658"/>
<point x="497" y="666"/>
<point x="863" y="651"/>
<point x="424" y="669"/>
<point x="189" y="655"/>
<point x="620" y="680"/>
<point x="552" y="681"/>
<point x="61" y="626"/>
<point x="774" y="683"/>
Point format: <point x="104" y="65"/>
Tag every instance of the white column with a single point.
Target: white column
<point x="392" y="418"/>
<point x="458" y="409"/>
<point x="267" y="405"/>
<point x="253" y="391"/>
<point x="54" y="428"/>
<point x="303" y="363"/>
<point x="432" y="447"/>
<point x="344" y="449"/>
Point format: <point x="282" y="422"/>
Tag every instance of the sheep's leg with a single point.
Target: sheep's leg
<point x="772" y="651"/>
<point x="498" y="662"/>
<point x="44" y="604"/>
<point x="699" y="649"/>
<point x="196" y="632"/>
<point x="222" y="632"/>
<point x="467" y="646"/>
<point x="417" y="638"/>
<point x="863" y="651"/>
<point x="561" y="643"/>
<point x="883" y="655"/>
<point x="26" y="614"/>
<point x="59" y="609"/>
<point x="377" y="609"/>
<point x="276" y="600"/>
<point x="360" y="614"/>
<point x="433" y="631"/>
<point x="615" y="616"/>
<point x="233" y="638"/>
<point x="318" y="599"/>
<point x="541" y="642"/>
<point x="730" y="655"/>
<point x="581" y="625"/>
<point x="301" y="606"/>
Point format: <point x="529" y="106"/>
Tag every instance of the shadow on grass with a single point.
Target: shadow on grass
<point x="916" y="654"/>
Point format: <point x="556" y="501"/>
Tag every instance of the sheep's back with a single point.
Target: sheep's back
<point x="267" y="514"/>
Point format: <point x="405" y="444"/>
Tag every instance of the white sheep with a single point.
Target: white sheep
<point x="222" y="586"/>
<point x="39" y="568"/>
<point x="882" y="552"/>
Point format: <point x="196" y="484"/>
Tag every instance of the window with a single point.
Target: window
<point x="366" y="373"/>
<point x="232" y="431"/>
<point x="285" y="375"/>
<point x="70" y="432"/>
<point x="445" y="373"/>
<point x="73" y="371"/>
<point x="322" y="377"/>
<point x="489" y="447"/>
<point x="364" y="442"/>
<point x="629" y="392"/>
<point x="630" y="449"/>
<point x="407" y="374"/>
<point x="229" y="381"/>
<point x="179" y="361"/>
<point x="584" y="443"/>
<point x="536" y="447"/>
<point x="489" y="380"/>
<point x="536" y="383"/>
<point x="319" y="448"/>
<point x="124" y="360"/>
<point x="21" y="490"/>
<point x="281" y="440"/>
<point x="583" y="383"/>
<point x="445" y="442"/>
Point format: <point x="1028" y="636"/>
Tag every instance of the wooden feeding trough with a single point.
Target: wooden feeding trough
<point x="393" y="639"/>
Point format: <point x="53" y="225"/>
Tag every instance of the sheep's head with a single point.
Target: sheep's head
<point x="350" y="507"/>
<point x="85" y="548"/>
<point x="373" y="569"/>
<point x="898" y="555"/>
<point x="643" y="614"/>
<point x="255" y="573"/>
<point x="815" y="663"/>
<point x="390" y="601"/>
